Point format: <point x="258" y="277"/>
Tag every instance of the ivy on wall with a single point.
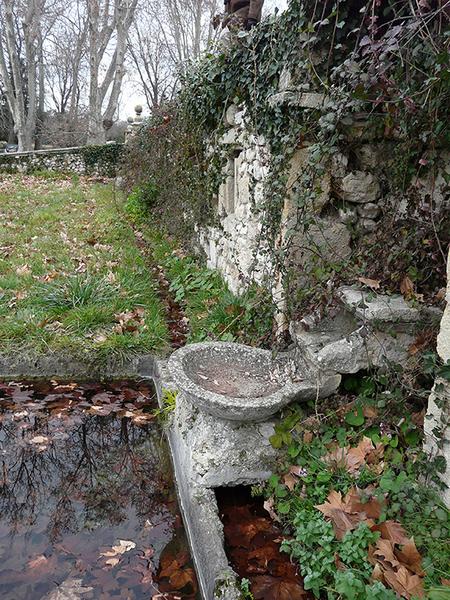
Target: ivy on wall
<point x="102" y="158"/>
<point x="381" y="62"/>
<point x="91" y="160"/>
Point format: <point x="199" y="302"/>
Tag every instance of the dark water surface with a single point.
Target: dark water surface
<point x="87" y="504"/>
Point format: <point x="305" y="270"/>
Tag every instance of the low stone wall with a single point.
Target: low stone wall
<point x="99" y="161"/>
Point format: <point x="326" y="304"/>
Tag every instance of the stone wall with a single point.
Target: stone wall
<point x="348" y="202"/>
<point x="235" y="247"/>
<point x="437" y="420"/>
<point x="98" y="161"/>
<point x="363" y="329"/>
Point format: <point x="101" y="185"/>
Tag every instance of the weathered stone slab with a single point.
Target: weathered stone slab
<point x="371" y="307"/>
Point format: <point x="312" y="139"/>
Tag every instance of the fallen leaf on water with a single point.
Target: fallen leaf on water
<point x="39" y="561"/>
<point x="70" y="589"/>
<point x="182" y="578"/>
<point x="265" y="587"/>
<point x="39" y="439"/>
<point x="113" y="555"/>
<point x="242" y="534"/>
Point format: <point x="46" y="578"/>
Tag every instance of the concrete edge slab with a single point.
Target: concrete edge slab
<point x="217" y="580"/>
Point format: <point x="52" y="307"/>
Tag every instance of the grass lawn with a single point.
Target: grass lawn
<point x="71" y="276"/>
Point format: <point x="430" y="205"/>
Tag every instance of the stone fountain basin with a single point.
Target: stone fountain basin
<point x="233" y="381"/>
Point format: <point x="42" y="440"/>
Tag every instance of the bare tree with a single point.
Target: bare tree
<point x="108" y="33"/>
<point x="66" y="69"/>
<point x="166" y="36"/>
<point x="21" y="23"/>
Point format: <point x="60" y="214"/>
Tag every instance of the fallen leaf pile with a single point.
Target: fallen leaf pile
<point x="347" y="513"/>
<point x="253" y="546"/>
<point x="397" y="563"/>
<point x="130" y="322"/>
<point x="353" y="458"/>
<point x="176" y="575"/>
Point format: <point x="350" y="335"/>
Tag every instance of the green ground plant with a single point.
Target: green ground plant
<point x="71" y="276"/>
<point x="317" y="471"/>
<point x="212" y="311"/>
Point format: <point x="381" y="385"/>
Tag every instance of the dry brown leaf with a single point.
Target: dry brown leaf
<point x="336" y="510"/>
<point x="39" y="561"/>
<point x="23" y="270"/>
<point x="407" y="288"/>
<point x="410" y="557"/>
<point x="370" y="412"/>
<point x="290" y="481"/>
<point x="269" y="506"/>
<point x="350" y="458"/>
<point x="265" y="587"/>
<point x="384" y="554"/>
<point x="308" y="437"/>
<point x="374" y="284"/>
<point x="372" y="508"/>
<point x="392" y="531"/>
<point x="404" y="583"/>
<point x="182" y="578"/>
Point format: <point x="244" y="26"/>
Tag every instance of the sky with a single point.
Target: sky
<point x="130" y="97"/>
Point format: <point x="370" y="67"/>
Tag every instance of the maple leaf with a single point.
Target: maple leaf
<point x="384" y="554"/>
<point x="372" y="507"/>
<point x="338" y="512"/>
<point x="350" y="458"/>
<point x="404" y="583"/>
<point x="183" y="578"/>
<point x="410" y="557"/>
<point x="70" y="589"/>
<point x="265" y="587"/>
<point x="392" y="531"/>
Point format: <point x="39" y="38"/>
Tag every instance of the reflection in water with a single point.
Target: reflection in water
<point x="87" y="507"/>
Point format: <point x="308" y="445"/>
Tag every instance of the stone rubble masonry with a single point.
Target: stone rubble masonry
<point x="437" y="417"/>
<point x="59" y="160"/>
<point x="360" y="187"/>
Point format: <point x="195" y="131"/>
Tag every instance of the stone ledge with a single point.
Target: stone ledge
<point x="372" y="307"/>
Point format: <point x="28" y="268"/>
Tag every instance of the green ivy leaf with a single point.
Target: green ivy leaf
<point x="355" y="418"/>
